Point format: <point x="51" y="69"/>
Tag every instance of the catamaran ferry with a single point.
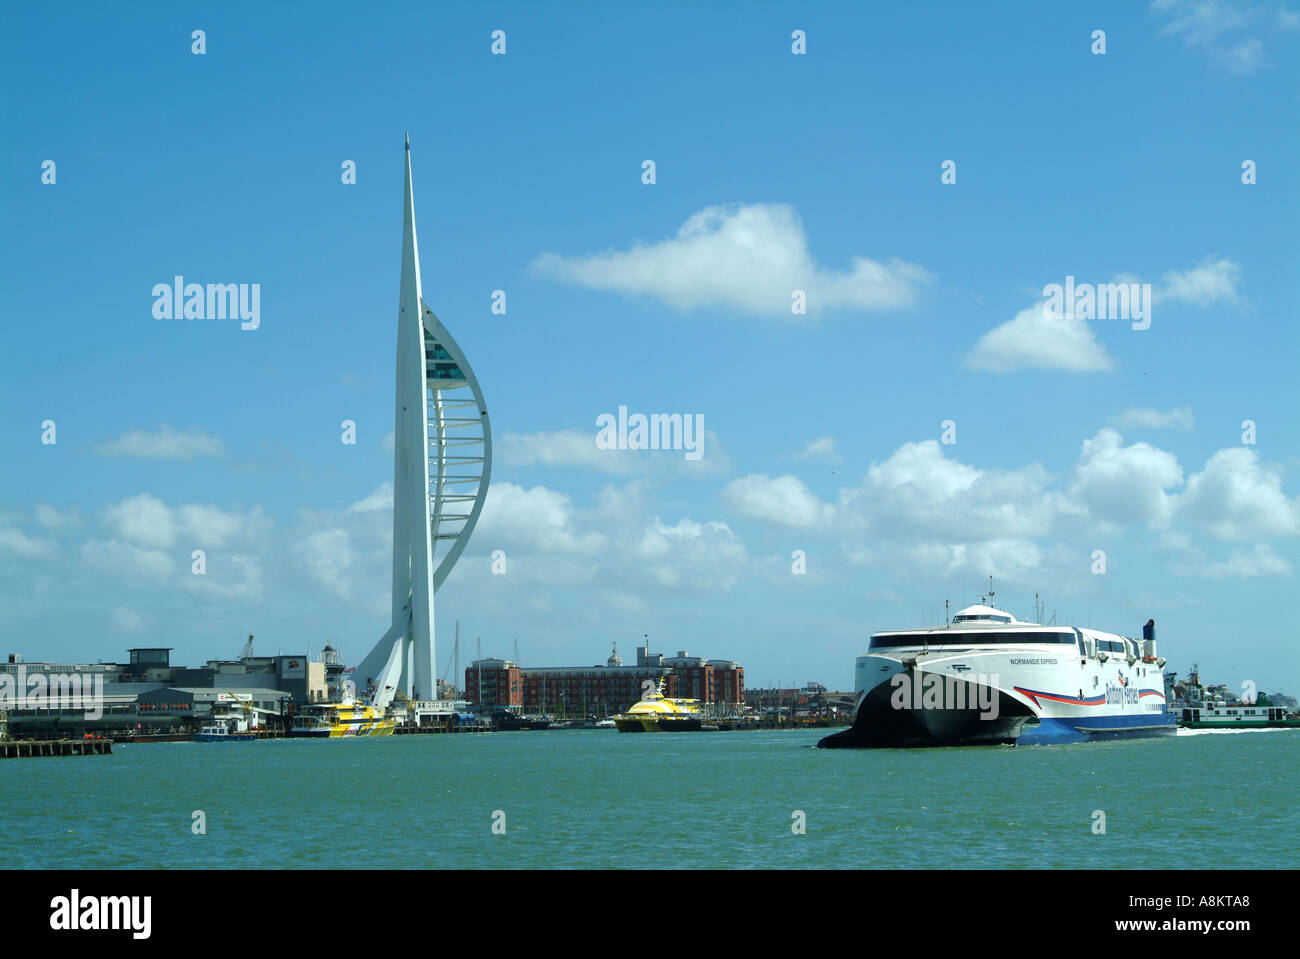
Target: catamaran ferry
<point x="987" y="677"/>
<point x="657" y="713"/>
<point x="340" y="720"/>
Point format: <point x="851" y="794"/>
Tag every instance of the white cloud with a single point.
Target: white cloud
<point x="1245" y="57"/>
<point x="210" y="526"/>
<point x="1224" y="30"/>
<point x="128" y="562"/>
<point x="1241" y="564"/>
<point x="125" y="620"/>
<point x="142" y="519"/>
<point x="1145" y="417"/>
<point x="1037" y="339"/>
<point x="1125" y="484"/>
<point x="146" y="520"/>
<point x="784" y="500"/>
<point x="822" y="448"/>
<point x="1004" y="559"/>
<point x="570" y="448"/>
<point x="51" y="517"/>
<point x="627" y="603"/>
<point x="229" y="576"/>
<point x="379" y="500"/>
<point x="328" y="558"/>
<point x="154" y="542"/>
<point x="1200" y="22"/>
<point x="1238" y="497"/>
<point x="1214" y="281"/>
<point x="18" y="543"/>
<point x="748" y="257"/>
<point x="697" y="556"/>
<point x="919" y="493"/>
<point x="163" y="443"/>
<point x="533" y="519"/>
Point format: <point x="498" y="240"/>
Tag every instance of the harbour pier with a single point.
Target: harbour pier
<point x="28" y="748"/>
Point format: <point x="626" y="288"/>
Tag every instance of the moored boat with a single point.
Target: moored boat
<point x="508" y="722"/>
<point x="340" y="720"/>
<point x="227" y="730"/>
<point x="233" y="720"/>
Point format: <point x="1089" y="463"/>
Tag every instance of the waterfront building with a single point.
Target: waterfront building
<point x="494" y="683"/>
<point x="197" y="702"/>
<point x="602" y="690"/>
<point x="708" y="680"/>
<point x="588" y="690"/>
<point x="148" y="691"/>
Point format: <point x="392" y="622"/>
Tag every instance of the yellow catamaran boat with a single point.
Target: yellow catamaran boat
<point x="340" y="720"/>
<point x="659" y="714"/>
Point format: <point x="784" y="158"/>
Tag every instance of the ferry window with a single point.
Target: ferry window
<point x="971" y="639"/>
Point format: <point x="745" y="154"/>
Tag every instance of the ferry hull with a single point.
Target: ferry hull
<point x="881" y="723"/>
<point x="343" y="731"/>
<point x="961" y="712"/>
<point x="655" y="724"/>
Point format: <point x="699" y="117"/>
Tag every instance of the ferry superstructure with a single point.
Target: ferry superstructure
<point x="988" y="678"/>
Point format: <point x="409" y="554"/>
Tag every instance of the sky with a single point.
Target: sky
<point x="915" y="179"/>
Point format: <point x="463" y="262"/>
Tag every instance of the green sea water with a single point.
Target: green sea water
<point x="600" y="799"/>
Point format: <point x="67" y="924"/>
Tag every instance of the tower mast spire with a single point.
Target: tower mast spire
<point x="442" y="457"/>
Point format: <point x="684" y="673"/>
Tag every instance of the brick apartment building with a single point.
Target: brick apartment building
<point x="602" y="690"/>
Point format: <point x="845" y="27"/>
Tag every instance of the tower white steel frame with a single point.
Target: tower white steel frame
<point x="442" y="461"/>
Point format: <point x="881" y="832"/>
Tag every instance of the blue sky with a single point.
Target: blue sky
<point x="773" y="172"/>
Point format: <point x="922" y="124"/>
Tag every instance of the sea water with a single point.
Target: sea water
<point x="601" y="799"/>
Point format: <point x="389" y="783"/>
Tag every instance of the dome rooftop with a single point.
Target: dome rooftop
<point x="983" y="614"/>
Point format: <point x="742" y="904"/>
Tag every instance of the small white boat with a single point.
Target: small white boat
<point x="227" y="730"/>
<point x="233" y="720"/>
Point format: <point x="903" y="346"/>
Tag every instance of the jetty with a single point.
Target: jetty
<point x="26" y="748"/>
